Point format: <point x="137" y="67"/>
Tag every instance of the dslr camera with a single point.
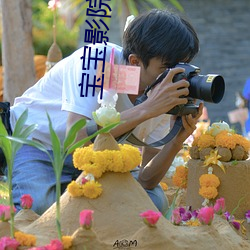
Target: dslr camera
<point x="209" y="88"/>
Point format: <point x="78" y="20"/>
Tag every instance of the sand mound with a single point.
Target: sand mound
<point x="117" y="224"/>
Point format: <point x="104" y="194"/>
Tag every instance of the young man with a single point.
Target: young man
<point x="154" y="41"/>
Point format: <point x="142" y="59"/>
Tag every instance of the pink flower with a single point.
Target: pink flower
<point x="206" y="215"/>
<point x="150" y="217"/>
<point x="55" y="245"/>
<point x="5" y="212"/>
<point x="54" y="4"/>
<point x="219" y="206"/>
<point x="26" y="201"/>
<point x="84" y="180"/>
<point x="86" y="218"/>
<point x="176" y="217"/>
<point x="8" y="243"/>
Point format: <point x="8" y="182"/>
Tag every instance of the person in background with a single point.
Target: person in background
<point x="154" y="41"/>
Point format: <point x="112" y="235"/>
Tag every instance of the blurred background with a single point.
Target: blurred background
<point x="26" y="36"/>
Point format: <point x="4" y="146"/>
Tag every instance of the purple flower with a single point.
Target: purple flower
<point x="248" y="216"/>
<point x="236" y="224"/>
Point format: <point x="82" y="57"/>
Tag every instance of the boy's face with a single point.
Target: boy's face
<point x="149" y="75"/>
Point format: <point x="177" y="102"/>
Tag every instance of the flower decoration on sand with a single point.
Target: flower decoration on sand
<point x="24" y="239"/>
<point x="208" y="186"/>
<point x="26" y="201"/>
<point x="206" y="215"/>
<point x="150" y="217"/>
<point x="220" y="143"/>
<point x="219" y="206"/>
<point x="5" y="213"/>
<point x="105" y="155"/>
<point x="8" y="243"/>
<point x="180" y="177"/>
<point x="184" y="217"/>
<point x="86" y="218"/>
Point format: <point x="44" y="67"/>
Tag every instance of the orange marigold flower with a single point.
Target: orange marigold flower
<point x="208" y="192"/>
<point x="24" y="239"/>
<point x="242" y="141"/>
<point x="209" y="180"/>
<point x="180" y="177"/>
<point x="67" y="242"/>
<point x="225" y="139"/>
<point x="206" y="141"/>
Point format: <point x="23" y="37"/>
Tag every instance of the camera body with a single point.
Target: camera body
<point x="209" y="88"/>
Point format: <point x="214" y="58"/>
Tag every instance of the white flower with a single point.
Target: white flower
<point x="217" y="127"/>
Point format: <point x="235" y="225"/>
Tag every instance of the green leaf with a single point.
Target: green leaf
<point x="172" y="207"/>
<point x="32" y="143"/>
<point x="132" y="7"/>
<point x="177" y="5"/>
<point x="56" y="147"/>
<point x="20" y="123"/>
<point x="71" y="136"/>
<point x="5" y="144"/>
<point x="23" y="134"/>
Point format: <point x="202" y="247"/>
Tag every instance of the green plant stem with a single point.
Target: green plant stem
<point x="12" y="213"/>
<point x="58" y="212"/>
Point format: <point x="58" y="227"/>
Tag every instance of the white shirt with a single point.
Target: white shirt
<point x="59" y="92"/>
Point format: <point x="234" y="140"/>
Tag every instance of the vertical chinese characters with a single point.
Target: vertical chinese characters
<point x="99" y="10"/>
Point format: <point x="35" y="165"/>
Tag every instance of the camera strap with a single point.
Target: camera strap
<point x="131" y="138"/>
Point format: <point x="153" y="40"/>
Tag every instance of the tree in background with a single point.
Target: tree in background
<point x="19" y="44"/>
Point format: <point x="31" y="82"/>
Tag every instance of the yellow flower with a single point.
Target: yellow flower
<point x="92" y="189"/>
<point x="27" y="240"/>
<point x="209" y="180"/>
<point x="67" y="242"/>
<point x="83" y="156"/>
<point x="180" y="177"/>
<point x="213" y="158"/>
<point x="75" y="189"/>
<point x="164" y="186"/>
<point x="206" y="141"/>
<point x="193" y="223"/>
<point x="94" y="169"/>
<point x="98" y="162"/>
<point x="208" y="192"/>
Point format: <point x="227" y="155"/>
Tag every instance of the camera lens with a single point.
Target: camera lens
<point x="209" y="88"/>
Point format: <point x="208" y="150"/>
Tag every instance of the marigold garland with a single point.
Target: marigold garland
<point x="98" y="162"/>
<point x="209" y="180"/>
<point x="180" y="177"/>
<point x="206" y="141"/>
<point x="95" y="163"/>
<point x="67" y="242"/>
<point x="208" y="192"/>
<point x="24" y="239"/>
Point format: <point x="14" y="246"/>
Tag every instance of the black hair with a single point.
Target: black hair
<point x="161" y="34"/>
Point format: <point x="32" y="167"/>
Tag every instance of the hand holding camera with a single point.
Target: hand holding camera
<point x="209" y="88"/>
